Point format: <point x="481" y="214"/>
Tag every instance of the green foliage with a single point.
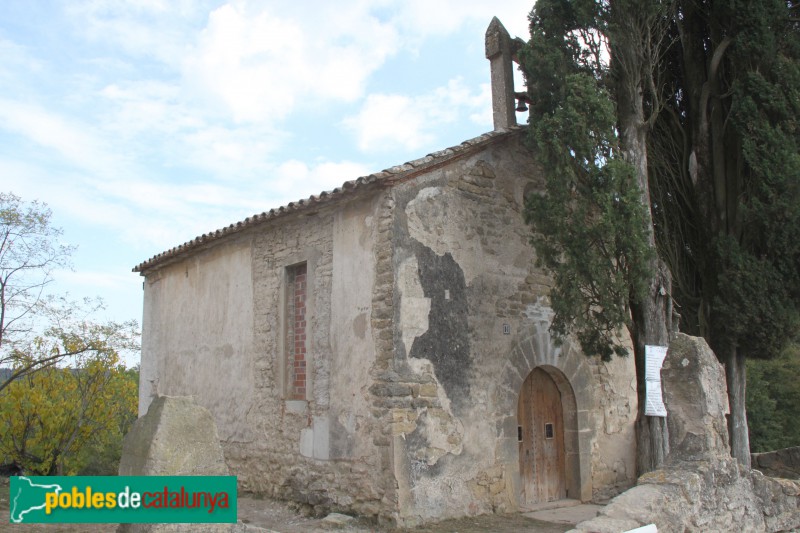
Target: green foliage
<point x="754" y="307"/>
<point x="29" y="252"/>
<point x="725" y="172"/>
<point x="720" y="82"/>
<point x="758" y="271"/>
<point x="54" y="420"/>
<point x="590" y="228"/>
<point x="100" y="457"/>
<point x="702" y="99"/>
<point x="773" y="401"/>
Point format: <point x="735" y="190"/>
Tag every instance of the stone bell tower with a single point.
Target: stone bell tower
<point x="500" y="51"/>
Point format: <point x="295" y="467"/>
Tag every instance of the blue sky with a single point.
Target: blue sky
<point x="145" y="123"/>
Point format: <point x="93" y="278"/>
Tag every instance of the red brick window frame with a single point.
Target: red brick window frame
<point x="296" y="331"/>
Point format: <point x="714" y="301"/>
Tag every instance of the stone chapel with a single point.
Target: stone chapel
<point x="383" y="348"/>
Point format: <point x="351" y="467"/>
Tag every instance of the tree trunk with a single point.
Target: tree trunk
<point x="716" y="174"/>
<point x="736" y="379"/>
<point x="651" y="319"/>
<point x="651" y="314"/>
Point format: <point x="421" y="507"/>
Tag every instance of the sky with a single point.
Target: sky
<point x="145" y="123"/>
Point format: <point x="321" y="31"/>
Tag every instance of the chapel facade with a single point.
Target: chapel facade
<point x="383" y="348"/>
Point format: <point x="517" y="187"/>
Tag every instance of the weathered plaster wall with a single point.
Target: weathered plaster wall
<point x="425" y="315"/>
<point x="198" y="334"/>
<point x="464" y="271"/>
<point x="613" y="449"/>
<point x="352" y="346"/>
<point x="318" y="450"/>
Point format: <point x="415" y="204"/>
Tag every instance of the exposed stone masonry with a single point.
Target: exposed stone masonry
<point x="466" y="221"/>
<point x="385" y="379"/>
<point x="382" y="331"/>
<point x="783" y="463"/>
<point x="424" y="311"/>
<point x="272" y="465"/>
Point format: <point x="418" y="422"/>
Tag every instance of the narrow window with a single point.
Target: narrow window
<point x="296" y="332"/>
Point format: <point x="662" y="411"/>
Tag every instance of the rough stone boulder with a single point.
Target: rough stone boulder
<point x="695" y="395"/>
<point x="780" y="463"/>
<point x="176" y="437"/>
<point x="700" y="488"/>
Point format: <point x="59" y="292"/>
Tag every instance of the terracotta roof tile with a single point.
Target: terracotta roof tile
<point x="386" y="177"/>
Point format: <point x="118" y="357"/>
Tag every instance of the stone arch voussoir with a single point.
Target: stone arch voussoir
<point x="567" y="366"/>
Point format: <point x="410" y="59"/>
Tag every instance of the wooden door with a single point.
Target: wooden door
<point x="541" y="439"/>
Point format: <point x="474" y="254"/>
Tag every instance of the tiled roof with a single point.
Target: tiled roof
<point x="386" y="177"/>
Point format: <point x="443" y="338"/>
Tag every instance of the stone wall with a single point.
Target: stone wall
<point x="779" y="463"/>
<point x="425" y="312"/>
<point x="382" y="334"/>
<point x="320" y="450"/>
<point x="215" y="329"/>
<point x="612" y="456"/>
<point x="700" y="488"/>
<point x="471" y="315"/>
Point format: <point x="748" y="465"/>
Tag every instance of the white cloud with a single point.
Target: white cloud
<point x="154" y="121"/>
<point x="236" y="73"/>
<point x="144" y="123"/>
<point x="482" y="107"/>
<point x="230" y="153"/>
<point x="443" y="17"/>
<point x="295" y="180"/>
<point x="258" y="63"/>
<point x="139" y="107"/>
<point x="156" y="215"/>
<point x="15" y="58"/>
<point x="214" y="93"/>
<point x="75" y="143"/>
<point x="141" y="28"/>
<point x="388" y="120"/>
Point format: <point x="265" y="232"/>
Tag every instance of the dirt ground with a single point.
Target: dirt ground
<point x="280" y="517"/>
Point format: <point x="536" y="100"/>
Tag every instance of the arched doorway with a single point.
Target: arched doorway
<point x="546" y="409"/>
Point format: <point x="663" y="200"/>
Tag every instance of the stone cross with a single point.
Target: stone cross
<point x="498" y="52"/>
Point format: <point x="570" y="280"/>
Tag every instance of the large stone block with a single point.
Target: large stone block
<point x="696" y="399"/>
<point x="176" y="437"/>
<point x="701" y="487"/>
<point x="779" y="463"/>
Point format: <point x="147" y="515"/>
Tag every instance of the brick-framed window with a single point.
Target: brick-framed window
<point x="296" y="329"/>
